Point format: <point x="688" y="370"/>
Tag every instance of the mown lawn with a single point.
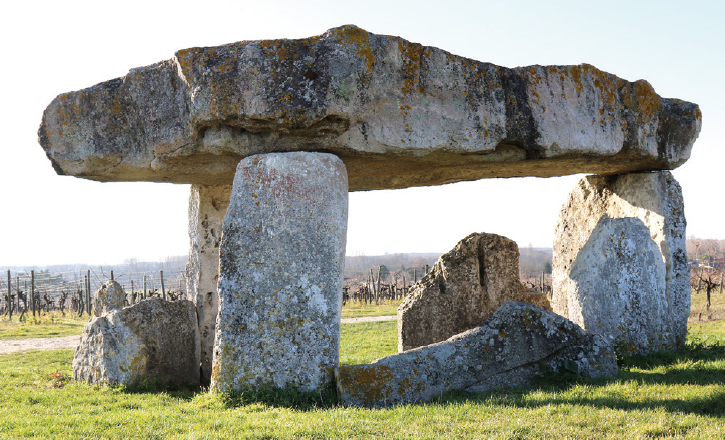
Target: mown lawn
<point x="668" y="395"/>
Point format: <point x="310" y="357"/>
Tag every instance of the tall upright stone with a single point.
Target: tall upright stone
<point x="280" y="288"/>
<point x="641" y="318"/>
<point x="207" y="206"/>
<point x="464" y="288"/>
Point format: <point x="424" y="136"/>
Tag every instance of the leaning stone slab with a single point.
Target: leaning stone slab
<point x="207" y="206"/>
<point x="280" y="288"/>
<point x="514" y="345"/>
<point x="149" y="340"/>
<point x="465" y="287"/>
<point x="604" y="277"/>
<point x="109" y="297"/>
<point x="617" y="286"/>
<point x="399" y="114"/>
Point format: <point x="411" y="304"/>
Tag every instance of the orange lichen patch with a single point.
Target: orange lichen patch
<point x="370" y="384"/>
<point x="411" y="54"/>
<point x="361" y="39"/>
<point x="501" y="334"/>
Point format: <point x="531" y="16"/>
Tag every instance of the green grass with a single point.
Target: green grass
<point x="363" y="342"/>
<point x="354" y="309"/>
<point x="698" y="309"/>
<point x="48" y="325"/>
<point x="667" y="395"/>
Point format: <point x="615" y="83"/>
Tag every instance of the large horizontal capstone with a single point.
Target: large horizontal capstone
<point x="397" y="113"/>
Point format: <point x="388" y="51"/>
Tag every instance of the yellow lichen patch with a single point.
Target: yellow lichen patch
<point x="360" y="38"/>
<point x="501" y="334"/>
<point x="368" y="383"/>
<point x="411" y="54"/>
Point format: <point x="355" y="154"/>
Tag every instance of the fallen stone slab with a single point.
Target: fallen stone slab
<point x="605" y="276"/>
<point x="518" y="342"/>
<point x="464" y="287"/>
<point x="149" y="340"/>
<point x="399" y="114"/>
<point x="281" y="258"/>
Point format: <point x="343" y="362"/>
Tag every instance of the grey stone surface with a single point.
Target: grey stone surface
<point x="280" y="288"/>
<point x="398" y="114"/>
<point x="509" y="349"/>
<point x="617" y="286"/>
<point x="464" y="288"/>
<point x="207" y="206"/>
<point x="110" y="296"/>
<point x="656" y="200"/>
<point x="149" y="340"/>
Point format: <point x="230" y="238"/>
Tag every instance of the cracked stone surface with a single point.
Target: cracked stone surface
<point x="398" y="113"/>
<point x="517" y="343"/>
<point x="465" y="287"/>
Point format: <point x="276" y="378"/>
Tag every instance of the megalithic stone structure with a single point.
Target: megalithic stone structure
<point x="397" y="114"/>
<point x="282" y="259"/>
<point x="207" y="206"/>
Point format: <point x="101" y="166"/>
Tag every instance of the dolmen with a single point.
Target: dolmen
<point x="272" y="134"/>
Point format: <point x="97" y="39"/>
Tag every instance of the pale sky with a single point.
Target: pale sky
<point x="59" y="46"/>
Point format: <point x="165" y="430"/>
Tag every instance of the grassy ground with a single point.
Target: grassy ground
<point x="54" y="324"/>
<point x="669" y="395"/>
<point x="49" y="325"/>
<point x="698" y="310"/>
<point x="354" y="309"/>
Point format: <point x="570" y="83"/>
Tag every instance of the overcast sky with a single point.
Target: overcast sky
<point x="59" y="46"/>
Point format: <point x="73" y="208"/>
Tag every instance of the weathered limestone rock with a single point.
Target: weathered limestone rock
<point x="617" y="286"/>
<point x="151" y="339"/>
<point x="282" y="258"/>
<point x="207" y="206"/>
<point x="613" y="285"/>
<point x="109" y="297"/>
<point x="397" y="113"/>
<point x="465" y="287"/>
<point x="509" y="349"/>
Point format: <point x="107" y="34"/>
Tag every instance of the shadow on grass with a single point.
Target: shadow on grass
<point x="283" y="397"/>
<point x="691" y="366"/>
<point x="685" y="367"/>
<point x="273" y="397"/>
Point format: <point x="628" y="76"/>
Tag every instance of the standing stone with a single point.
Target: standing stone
<point x="581" y="244"/>
<point x="149" y="340"/>
<point x="110" y="296"/>
<point x="207" y="206"/>
<point x="282" y="258"/>
<point x="464" y="288"/>
<point x="617" y="286"/>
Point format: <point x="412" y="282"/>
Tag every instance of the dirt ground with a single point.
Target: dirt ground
<point x="16" y="345"/>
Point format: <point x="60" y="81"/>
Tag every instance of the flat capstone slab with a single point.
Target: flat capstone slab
<point x="398" y="113"/>
<point x="281" y="263"/>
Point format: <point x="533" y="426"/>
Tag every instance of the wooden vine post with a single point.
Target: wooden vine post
<point x="10" y="304"/>
<point x="32" y="291"/>
<point x="163" y="291"/>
